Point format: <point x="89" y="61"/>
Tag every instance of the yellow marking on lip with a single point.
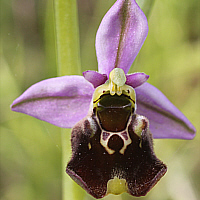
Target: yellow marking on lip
<point x="116" y="186"/>
<point x="89" y="146"/>
<point x="115" y="85"/>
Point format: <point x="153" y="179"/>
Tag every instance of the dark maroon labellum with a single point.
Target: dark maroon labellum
<point x="114" y="143"/>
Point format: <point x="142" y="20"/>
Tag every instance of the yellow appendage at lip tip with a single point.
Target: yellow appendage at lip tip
<point x="116" y="186"/>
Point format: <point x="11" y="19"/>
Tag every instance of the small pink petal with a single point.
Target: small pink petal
<point x="95" y="78"/>
<point x="136" y="79"/>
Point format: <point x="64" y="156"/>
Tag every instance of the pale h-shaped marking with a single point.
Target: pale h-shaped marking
<point x="123" y="135"/>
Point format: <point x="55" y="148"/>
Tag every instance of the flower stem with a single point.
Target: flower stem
<point x="67" y="37"/>
<point x="68" y="63"/>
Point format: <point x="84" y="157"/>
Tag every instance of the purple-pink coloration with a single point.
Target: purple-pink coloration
<point x="105" y="135"/>
<point x="166" y="121"/>
<point x="67" y="102"/>
<point x="63" y="101"/>
<point x="95" y="78"/>
<point x="57" y="100"/>
<point x="120" y="36"/>
<point x="136" y="79"/>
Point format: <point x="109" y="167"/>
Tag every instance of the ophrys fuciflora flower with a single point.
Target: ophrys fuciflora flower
<point x="114" y="115"/>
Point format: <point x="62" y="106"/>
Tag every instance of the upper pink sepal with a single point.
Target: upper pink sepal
<point x="120" y="36"/>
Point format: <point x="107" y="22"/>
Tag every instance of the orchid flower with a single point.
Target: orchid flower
<point x="114" y="115"/>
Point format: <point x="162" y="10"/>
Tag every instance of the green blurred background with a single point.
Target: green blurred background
<point x="30" y="150"/>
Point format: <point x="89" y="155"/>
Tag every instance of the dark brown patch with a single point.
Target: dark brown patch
<point x="115" y="143"/>
<point x="93" y="168"/>
<point x="114" y="112"/>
